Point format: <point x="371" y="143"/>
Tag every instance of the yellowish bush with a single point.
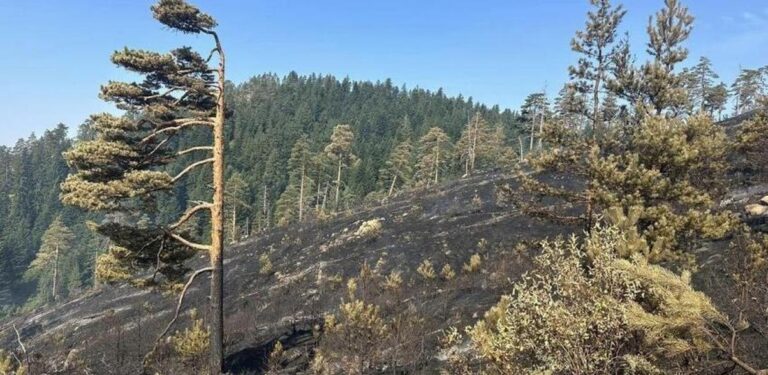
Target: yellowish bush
<point x="192" y="343"/>
<point x="426" y="270"/>
<point x="616" y="315"/>
<point x="266" y="265"/>
<point x="474" y="264"/>
<point x="7" y="363"/>
<point x="351" y="340"/>
<point x="274" y="362"/>
<point x="393" y="282"/>
<point x="447" y="272"/>
<point x="369" y="229"/>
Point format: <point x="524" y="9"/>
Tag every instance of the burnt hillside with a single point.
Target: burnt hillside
<point x="111" y="328"/>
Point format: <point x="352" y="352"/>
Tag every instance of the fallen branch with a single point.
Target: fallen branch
<point x="23" y="348"/>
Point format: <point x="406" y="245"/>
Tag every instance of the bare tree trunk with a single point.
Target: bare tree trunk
<point x="338" y="185"/>
<point x="596" y="120"/>
<point x="264" y="208"/>
<point x="392" y="185"/>
<point x="325" y="195"/>
<point x="437" y="161"/>
<point x="533" y="135"/>
<point x="318" y="199"/>
<point x="541" y="128"/>
<point x="473" y="150"/>
<point x="234" y="223"/>
<point x="301" y="194"/>
<point x="217" y="228"/>
<point x="55" y="273"/>
<point x="522" y="152"/>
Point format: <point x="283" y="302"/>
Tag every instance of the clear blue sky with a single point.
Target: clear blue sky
<point x="55" y="53"/>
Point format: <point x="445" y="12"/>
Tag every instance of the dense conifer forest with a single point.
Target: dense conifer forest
<point x="268" y="115"/>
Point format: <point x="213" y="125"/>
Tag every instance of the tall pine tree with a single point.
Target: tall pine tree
<point x="128" y="162"/>
<point x="46" y="268"/>
<point x="595" y="45"/>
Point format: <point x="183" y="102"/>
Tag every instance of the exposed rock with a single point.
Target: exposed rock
<point x="756" y="209"/>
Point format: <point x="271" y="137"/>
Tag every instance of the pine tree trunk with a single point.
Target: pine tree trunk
<point x="473" y="147"/>
<point x="437" y="161"/>
<point x="318" y="199"/>
<point x="522" y="152"/>
<point x="264" y="215"/>
<point x="325" y="195"/>
<point x="217" y="229"/>
<point x="392" y="185"/>
<point x="541" y="129"/>
<point x="596" y="106"/>
<point x="234" y="223"/>
<point x="338" y="185"/>
<point x="301" y="194"/>
<point x="533" y="133"/>
<point x="54" y="292"/>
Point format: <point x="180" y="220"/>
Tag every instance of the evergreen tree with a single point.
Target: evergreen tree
<point x="399" y="167"/>
<point x="625" y="80"/>
<point x="751" y="145"/>
<point x="700" y="83"/>
<point x="128" y="162"/>
<point x="571" y="106"/>
<point x="715" y="100"/>
<point x="292" y="202"/>
<point x="434" y="152"/>
<point x="236" y="193"/>
<point x="340" y="151"/>
<point x="595" y="46"/>
<point x="46" y="268"/>
<point x="747" y="90"/>
<point x="471" y="144"/>
<point x="534" y="112"/>
<point x="661" y="86"/>
<point x="670" y="173"/>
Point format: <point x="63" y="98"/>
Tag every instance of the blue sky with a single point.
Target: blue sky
<point x="55" y="53"/>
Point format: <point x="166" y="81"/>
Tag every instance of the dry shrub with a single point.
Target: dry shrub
<point x="448" y="273"/>
<point x="393" y="282"/>
<point x="369" y="230"/>
<point x="350" y="340"/>
<point x="274" y="362"/>
<point x="596" y="315"/>
<point x="427" y="270"/>
<point x="474" y="264"/>
<point x="10" y="366"/>
<point x="192" y="344"/>
<point x="373" y="329"/>
<point x="266" y="267"/>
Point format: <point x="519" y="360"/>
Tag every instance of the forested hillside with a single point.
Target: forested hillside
<point x="268" y="114"/>
<point x="29" y="187"/>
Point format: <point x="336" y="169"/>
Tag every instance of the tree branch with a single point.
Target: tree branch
<point x="21" y="344"/>
<point x="157" y="260"/>
<point x="192" y="149"/>
<point x="189" y="243"/>
<point x="172" y="126"/>
<point x="176" y="314"/>
<point x="190" y="167"/>
<point x="189" y="213"/>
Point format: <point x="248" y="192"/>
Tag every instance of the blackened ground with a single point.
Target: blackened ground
<point x="111" y="328"/>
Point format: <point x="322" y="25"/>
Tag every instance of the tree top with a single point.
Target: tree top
<point x="179" y="15"/>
